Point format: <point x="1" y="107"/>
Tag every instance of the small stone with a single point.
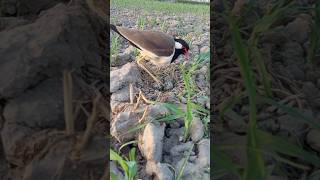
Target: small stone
<point x="318" y="83"/>
<point x="152" y="142"/>
<point x="299" y="29"/>
<point x="245" y="109"/>
<point x="202" y="100"/>
<point x="122" y="124"/>
<point x="296" y="72"/>
<point x="178" y="149"/>
<point x="197" y="129"/>
<point x="204" y="153"/>
<point x="174" y="125"/>
<point x="208" y="105"/>
<point x="168" y="83"/>
<point x="114" y="169"/>
<point x="129" y="73"/>
<point x="157" y="110"/>
<point x="293" y="53"/>
<point x="122" y="95"/>
<point x="183" y="100"/>
<point x="120" y="59"/>
<point x="270" y="125"/>
<point x="190" y="168"/>
<point x="160" y="170"/>
<point x="313" y="139"/>
<point x="204" y="49"/>
<point x="276" y="36"/>
<point x="290" y="123"/>
<point x="129" y="50"/>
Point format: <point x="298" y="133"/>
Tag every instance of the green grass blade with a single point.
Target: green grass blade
<point x="223" y="163"/>
<point x="264" y="24"/>
<point x="315" y="175"/>
<point x="167" y="119"/>
<point x="173" y="108"/>
<point x="116" y="157"/>
<point x="132" y="166"/>
<point x="113" y="176"/>
<point x="292" y="112"/>
<point x="184" y="163"/>
<point x="229" y="104"/>
<point x="255" y="168"/>
<point x="282" y="146"/>
<point x="266" y="79"/>
<point x="126" y="144"/>
<point x="315" y="35"/>
<point x="200" y="108"/>
<point x="132" y="154"/>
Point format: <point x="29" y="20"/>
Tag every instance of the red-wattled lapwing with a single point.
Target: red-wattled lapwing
<point x="160" y="48"/>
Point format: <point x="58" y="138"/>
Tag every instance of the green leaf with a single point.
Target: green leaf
<point x="132" y="169"/>
<point x="116" y="157"/>
<point x="132" y="154"/>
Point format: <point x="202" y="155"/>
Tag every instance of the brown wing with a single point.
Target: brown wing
<point x="159" y="43"/>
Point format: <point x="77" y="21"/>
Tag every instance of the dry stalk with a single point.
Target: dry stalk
<point x="138" y="100"/>
<point x="146" y="111"/>
<point x="90" y="123"/>
<point x="68" y="109"/>
<point x="131" y="93"/>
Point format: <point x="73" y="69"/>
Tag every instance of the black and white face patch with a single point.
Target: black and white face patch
<point x="178" y="45"/>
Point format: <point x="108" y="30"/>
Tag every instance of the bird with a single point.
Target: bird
<point x="158" y="47"/>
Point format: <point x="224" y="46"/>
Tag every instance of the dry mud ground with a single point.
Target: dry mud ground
<point x="294" y="82"/>
<point x="161" y="148"/>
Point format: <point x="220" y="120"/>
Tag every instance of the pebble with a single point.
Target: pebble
<point x="204" y="49"/>
<point x="299" y="29"/>
<point x="313" y="139"/>
<point x="318" y="83"/>
<point x="160" y="170"/>
<point x="151" y="143"/>
<point x="196" y="130"/>
<point x="123" y="122"/>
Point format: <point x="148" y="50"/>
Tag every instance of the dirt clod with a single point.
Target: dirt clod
<point x="197" y="129"/>
<point x="151" y="142"/>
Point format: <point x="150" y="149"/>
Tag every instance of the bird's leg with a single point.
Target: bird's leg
<point x="139" y="61"/>
<point x="146" y="99"/>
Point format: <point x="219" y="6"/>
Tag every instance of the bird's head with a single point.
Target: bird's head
<point x="182" y="47"/>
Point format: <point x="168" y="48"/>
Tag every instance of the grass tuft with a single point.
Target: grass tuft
<point x="163" y="6"/>
<point x="128" y="165"/>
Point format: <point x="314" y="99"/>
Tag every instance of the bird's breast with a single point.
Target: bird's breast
<point x="157" y="60"/>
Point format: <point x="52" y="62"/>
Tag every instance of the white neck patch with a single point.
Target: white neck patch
<point x="178" y="45"/>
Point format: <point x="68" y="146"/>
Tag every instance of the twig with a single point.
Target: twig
<point x="146" y="111"/>
<point x="131" y="93"/>
<point x="68" y="109"/>
<point x="90" y="123"/>
<point x="138" y="100"/>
